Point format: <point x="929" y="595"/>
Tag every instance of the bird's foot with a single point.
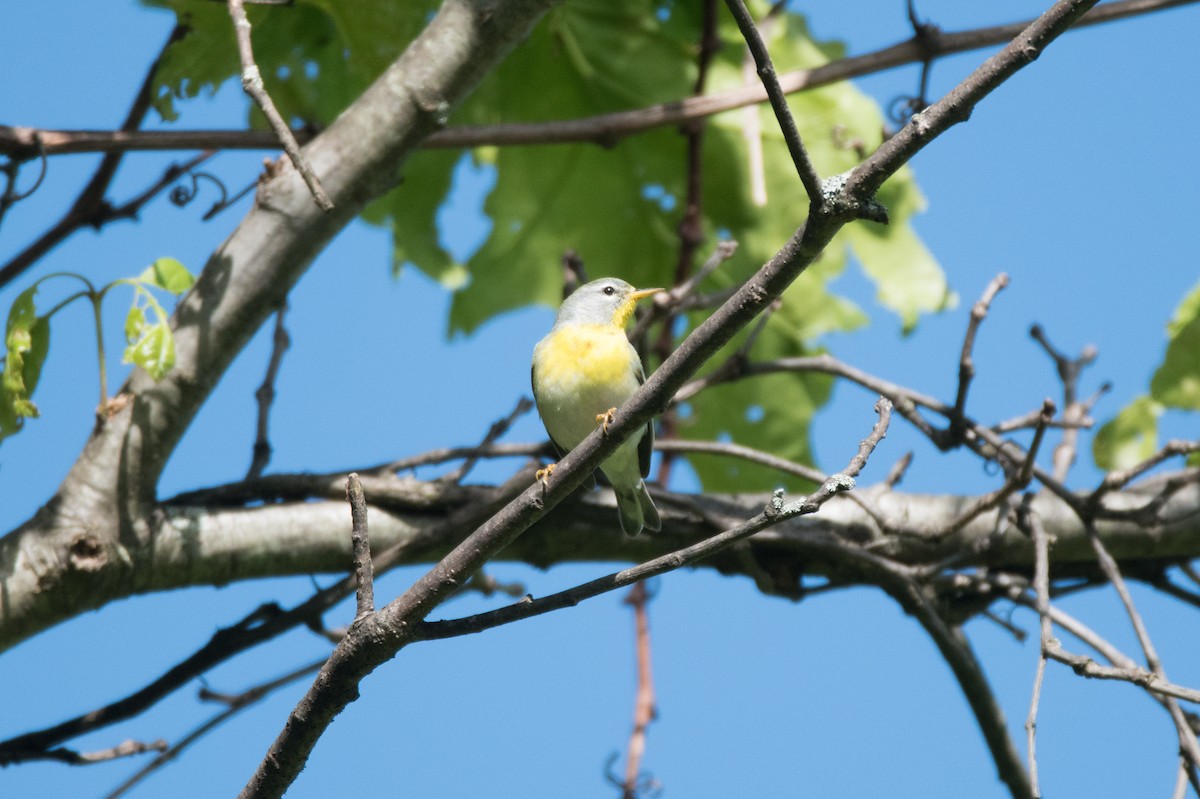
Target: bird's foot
<point x="605" y="419"/>
<point x="543" y="475"/>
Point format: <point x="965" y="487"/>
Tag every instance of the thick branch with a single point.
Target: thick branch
<point x="204" y="546"/>
<point x="102" y="517"/>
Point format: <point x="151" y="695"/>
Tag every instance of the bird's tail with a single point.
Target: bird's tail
<point x="636" y="509"/>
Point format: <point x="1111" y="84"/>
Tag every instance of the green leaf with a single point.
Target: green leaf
<point x="153" y="349"/>
<point x="1130" y="438"/>
<point x="618" y="208"/>
<point x="26" y="342"/>
<point x="199" y="62"/>
<point x="1176" y="382"/>
<point x="771" y="413"/>
<point x="135" y="322"/>
<point x="566" y="198"/>
<point x="149" y="345"/>
<point x="39" y="347"/>
<point x="411" y="212"/>
<point x="168" y="274"/>
<point x="315" y="56"/>
<point x="908" y="279"/>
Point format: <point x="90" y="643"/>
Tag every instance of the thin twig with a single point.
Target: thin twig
<point x="644" y="709"/>
<point x="265" y="396"/>
<point x="1125" y="670"/>
<point x="1188" y="744"/>
<point x="95" y="214"/>
<point x="1033" y="419"/>
<point x="1181" y="780"/>
<point x="966" y="363"/>
<point x="778" y="511"/>
<point x="729" y="449"/>
<point x="89" y="207"/>
<point x="395" y="626"/>
<point x="690" y="227"/>
<point x="364" y="572"/>
<point x="956" y="649"/>
<point x="1018" y="634"/>
<point x="252" y="83"/>
<point x="1086" y="667"/>
<point x="1119" y="479"/>
<point x="775" y="93"/>
<point x="1015" y="481"/>
<point x="443" y="454"/>
<point x="679" y="297"/>
<point x="1041" y="584"/>
<point x="262" y="624"/>
<point x="602" y="129"/>
<point x="498" y="428"/>
<point x="925" y="36"/>
<point x="236" y="704"/>
<point x="743" y="350"/>
<point x="123" y="749"/>
<point x="981" y="440"/>
<point x="1069" y="370"/>
<point x="896" y="473"/>
<point x="12" y="169"/>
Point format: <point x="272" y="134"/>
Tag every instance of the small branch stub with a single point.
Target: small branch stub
<point x="364" y="571"/>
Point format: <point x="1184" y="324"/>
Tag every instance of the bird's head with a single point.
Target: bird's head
<point x="607" y="301"/>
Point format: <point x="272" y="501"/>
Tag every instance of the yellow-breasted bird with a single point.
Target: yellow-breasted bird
<point x="582" y="371"/>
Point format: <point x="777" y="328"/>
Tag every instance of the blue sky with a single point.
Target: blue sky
<point x="1077" y="178"/>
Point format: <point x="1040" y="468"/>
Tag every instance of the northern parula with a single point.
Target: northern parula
<point x="582" y="371"/>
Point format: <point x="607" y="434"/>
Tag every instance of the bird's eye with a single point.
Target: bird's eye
<point x="609" y="290"/>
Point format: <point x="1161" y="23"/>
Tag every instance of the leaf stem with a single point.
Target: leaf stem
<point x="97" y="298"/>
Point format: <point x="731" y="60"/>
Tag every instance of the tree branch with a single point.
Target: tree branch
<point x="602" y="129"/>
<point x="787" y="125"/>
<point x="644" y="709"/>
<point x="312" y="528"/>
<point x="364" y="571"/>
<point x="389" y="630"/>
<point x="260" y="455"/>
<point x="90" y="207"/>
<point x="957" y="105"/>
<point x="252" y="84"/>
<point x="966" y="364"/>
<point x="203" y="546"/>
<point x="113" y="483"/>
<point x="235" y="704"/>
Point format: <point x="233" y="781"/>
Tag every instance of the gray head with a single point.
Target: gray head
<point x="607" y="301"/>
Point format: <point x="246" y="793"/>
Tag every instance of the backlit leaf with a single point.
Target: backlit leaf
<point x="1130" y="438"/>
<point x="1176" y="382"/>
<point x="26" y="342"/>
<point x="168" y="274"/>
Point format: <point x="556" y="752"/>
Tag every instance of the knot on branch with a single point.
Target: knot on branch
<point x="87" y="553"/>
<point x="837" y="203"/>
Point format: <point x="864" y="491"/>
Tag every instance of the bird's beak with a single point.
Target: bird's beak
<point x="641" y="293"/>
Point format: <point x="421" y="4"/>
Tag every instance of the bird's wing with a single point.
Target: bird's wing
<point x="646" y="445"/>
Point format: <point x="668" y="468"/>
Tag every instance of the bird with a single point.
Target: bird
<point x="583" y="370"/>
